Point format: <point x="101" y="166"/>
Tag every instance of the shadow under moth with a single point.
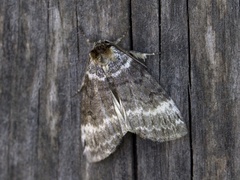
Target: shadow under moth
<point x="118" y="96"/>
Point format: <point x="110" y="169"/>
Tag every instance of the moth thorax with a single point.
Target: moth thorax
<point x="101" y="54"/>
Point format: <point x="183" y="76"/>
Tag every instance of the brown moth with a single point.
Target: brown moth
<point x="118" y="96"/>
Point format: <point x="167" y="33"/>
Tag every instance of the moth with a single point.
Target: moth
<point x="118" y="95"/>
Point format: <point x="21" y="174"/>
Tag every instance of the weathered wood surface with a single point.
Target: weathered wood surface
<point x="215" y="88"/>
<point x="42" y="61"/>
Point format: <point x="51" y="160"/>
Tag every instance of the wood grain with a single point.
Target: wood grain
<point x="43" y="55"/>
<point x="214" y="47"/>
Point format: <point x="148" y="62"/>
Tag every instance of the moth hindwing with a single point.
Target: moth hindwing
<point x="120" y="96"/>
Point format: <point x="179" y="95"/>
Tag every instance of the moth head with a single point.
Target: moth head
<point x="101" y="54"/>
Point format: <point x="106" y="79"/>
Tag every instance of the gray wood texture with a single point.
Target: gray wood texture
<point x="215" y="88"/>
<point x="42" y="61"/>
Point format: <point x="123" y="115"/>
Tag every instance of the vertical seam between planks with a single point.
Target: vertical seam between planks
<point x="189" y="91"/>
<point x="160" y="37"/>
<point x="134" y="142"/>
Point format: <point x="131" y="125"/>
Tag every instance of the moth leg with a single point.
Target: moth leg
<point x="140" y="55"/>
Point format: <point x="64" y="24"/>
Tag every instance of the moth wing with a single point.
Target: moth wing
<point x="100" y="127"/>
<point x="150" y="112"/>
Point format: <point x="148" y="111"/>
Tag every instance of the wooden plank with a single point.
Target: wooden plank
<point x="40" y="136"/>
<point x="214" y="42"/>
<point x="64" y="59"/>
<point x="105" y="20"/>
<point x="169" y="160"/>
<point x="19" y="85"/>
<point x="8" y="56"/>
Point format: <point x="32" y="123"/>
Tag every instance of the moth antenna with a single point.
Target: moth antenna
<point x="121" y="38"/>
<point x="88" y="41"/>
